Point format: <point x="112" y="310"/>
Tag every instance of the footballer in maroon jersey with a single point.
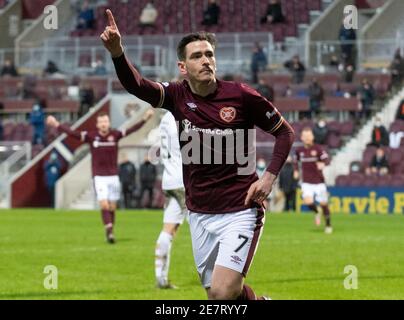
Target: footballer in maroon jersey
<point x="223" y="193"/>
<point x="104" y="156"/>
<point x="312" y="159"/>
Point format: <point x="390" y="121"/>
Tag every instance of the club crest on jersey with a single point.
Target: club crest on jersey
<point x="227" y="114"/>
<point x="192" y="106"/>
<point x="313" y="153"/>
<point x="110" y="138"/>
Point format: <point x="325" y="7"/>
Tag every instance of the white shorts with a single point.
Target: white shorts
<point x="229" y="240"/>
<point x="316" y="191"/>
<point x="107" y="188"/>
<point x="174" y="207"/>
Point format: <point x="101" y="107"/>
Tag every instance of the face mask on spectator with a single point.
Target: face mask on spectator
<point x="261" y="164"/>
<point x="321" y="124"/>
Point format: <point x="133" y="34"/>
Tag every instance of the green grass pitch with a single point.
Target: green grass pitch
<point x="294" y="260"/>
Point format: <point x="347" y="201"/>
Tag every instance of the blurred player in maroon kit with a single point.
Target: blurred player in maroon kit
<point x="313" y="158"/>
<point x="224" y="202"/>
<point x="104" y="153"/>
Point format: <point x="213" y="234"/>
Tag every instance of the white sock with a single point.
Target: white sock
<point x="163" y="251"/>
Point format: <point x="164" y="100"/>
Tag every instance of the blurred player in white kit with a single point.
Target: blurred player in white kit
<point x="174" y="192"/>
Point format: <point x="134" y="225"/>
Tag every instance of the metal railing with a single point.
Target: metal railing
<point x="19" y="154"/>
<point x="156" y="55"/>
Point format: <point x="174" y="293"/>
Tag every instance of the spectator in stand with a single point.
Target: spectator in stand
<point x="51" y="69"/>
<point x="288" y="181"/>
<point x="148" y="175"/>
<point x="274" y="13"/>
<point x="400" y="111"/>
<point x="334" y="62"/>
<point x="259" y="62"/>
<point x="339" y="92"/>
<point x="366" y="95"/>
<point x="348" y="72"/>
<point x="347" y="37"/>
<point x="127" y="177"/>
<point x="86" y="17"/>
<point x="86" y="98"/>
<point x="211" y="14"/>
<point x="37" y="120"/>
<point x="397" y="69"/>
<point x="297" y="69"/>
<point x="321" y="131"/>
<point x="288" y="91"/>
<point x="265" y="90"/>
<point x="148" y="16"/>
<point x="52" y="168"/>
<point x="316" y="94"/>
<point x="379" y="164"/>
<point x="9" y="69"/>
<point x="380" y="136"/>
<point x="99" y="68"/>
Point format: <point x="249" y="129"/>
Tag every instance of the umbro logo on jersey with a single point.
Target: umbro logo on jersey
<point x="270" y="114"/>
<point x="192" y="106"/>
<point x="236" y="259"/>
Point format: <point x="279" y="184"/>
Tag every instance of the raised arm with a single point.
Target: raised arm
<point x="52" y="122"/>
<point x="147" y="90"/>
<point x="146" y="117"/>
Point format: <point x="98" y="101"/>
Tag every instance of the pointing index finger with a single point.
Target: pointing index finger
<point x="111" y="19"/>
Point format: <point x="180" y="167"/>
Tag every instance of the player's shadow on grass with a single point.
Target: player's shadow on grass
<point x="44" y="295"/>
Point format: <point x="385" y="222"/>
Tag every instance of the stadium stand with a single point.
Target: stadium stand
<point x="395" y="176"/>
<point x="239" y="25"/>
<point x="186" y="16"/>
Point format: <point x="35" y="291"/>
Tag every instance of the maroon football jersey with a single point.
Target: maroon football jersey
<point x="212" y="181"/>
<point x="104" y="148"/>
<point x="308" y="158"/>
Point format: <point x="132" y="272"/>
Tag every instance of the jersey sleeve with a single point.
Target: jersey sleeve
<point x="323" y="156"/>
<point x="130" y="78"/>
<point x="83" y="136"/>
<point x="261" y="112"/>
<point x="171" y="95"/>
<point x="127" y="131"/>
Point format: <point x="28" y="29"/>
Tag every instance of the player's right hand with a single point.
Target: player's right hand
<point x="111" y="37"/>
<point x="52" y="122"/>
<point x="148" y="114"/>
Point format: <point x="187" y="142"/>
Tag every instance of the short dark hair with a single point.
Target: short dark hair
<point x="307" y="129"/>
<point x="102" y="114"/>
<point x="192" y="37"/>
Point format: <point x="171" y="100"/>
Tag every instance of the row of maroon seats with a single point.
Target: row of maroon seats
<point x="24" y="132"/>
<point x="184" y="16"/>
<point x="330" y="82"/>
<point x="397" y="126"/>
<point x="16" y="106"/>
<point x="47" y="88"/>
<point x="362" y="180"/>
<point x="337" y="130"/>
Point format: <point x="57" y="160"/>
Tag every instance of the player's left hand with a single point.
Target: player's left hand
<point x="148" y="114"/>
<point x="260" y="190"/>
